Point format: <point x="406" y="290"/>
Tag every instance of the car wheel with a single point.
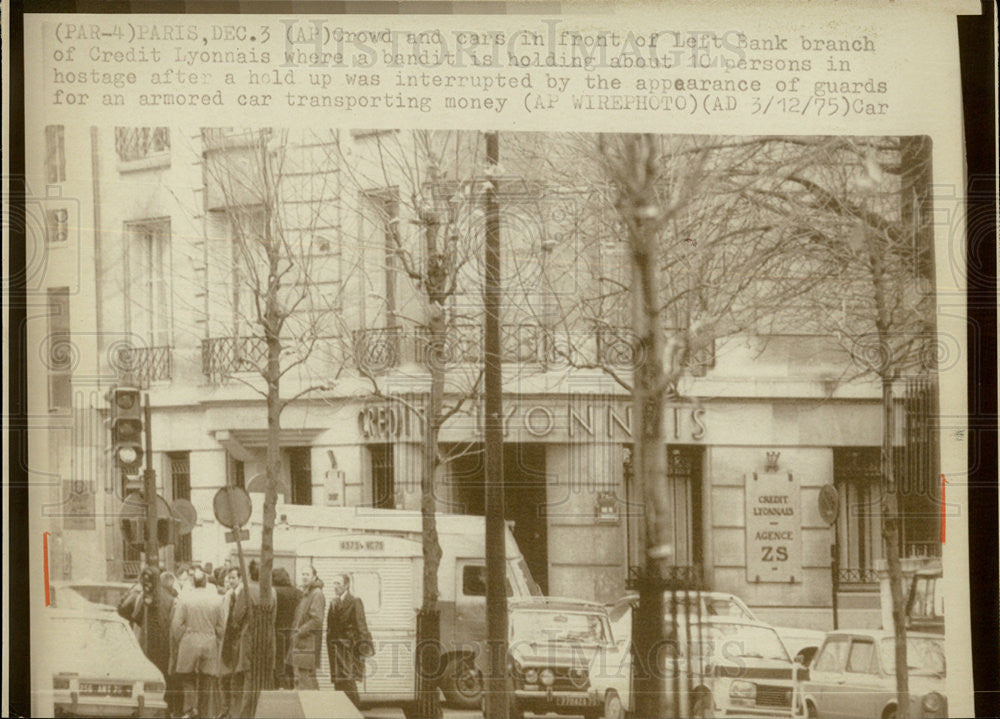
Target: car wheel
<point x="613" y="707"/>
<point x="702" y="706"/>
<point x="889" y="713"/>
<point x="811" y="711"/>
<point x="462" y="684"/>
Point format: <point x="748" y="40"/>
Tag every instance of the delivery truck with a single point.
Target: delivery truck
<point x="381" y="551"/>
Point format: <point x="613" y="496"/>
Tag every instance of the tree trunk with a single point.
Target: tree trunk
<point x="890" y="533"/>
<point x="649" y="388"/>
<point x="428" y="625"/>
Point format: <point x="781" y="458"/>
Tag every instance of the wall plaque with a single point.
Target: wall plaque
<point x="774" y="528"/>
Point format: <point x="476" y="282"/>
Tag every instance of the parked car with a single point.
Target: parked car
<point x="93" y="666"/>
<point x="65" y="597"/>
<point x="925" y="603"/>
<point x="723" y="666"/>
<point x="565" y="659"/>
<point x="106" y="594"/>
<point x="800" y="643"/>
<point x="854" y="675"/>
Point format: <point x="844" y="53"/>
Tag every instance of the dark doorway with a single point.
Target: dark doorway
<point x="383" y="476"/>
<point x="524" y="497"/>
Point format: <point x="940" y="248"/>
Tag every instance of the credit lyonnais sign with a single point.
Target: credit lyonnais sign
<point x="774" y="528"/>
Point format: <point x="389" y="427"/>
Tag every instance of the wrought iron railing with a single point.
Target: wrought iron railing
<point x="857" y="575"/>
<point x="138" y="143"/>
<point x="222" y="357"/>
<point x="525" y="344"/>
<point x="685" y="576"/>
<point x="922" y="549"/>
<point x="463" y="344"/>
<point x="141" y="366"/>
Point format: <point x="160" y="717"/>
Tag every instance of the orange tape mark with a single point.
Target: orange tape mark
<point x="45" y="565"/>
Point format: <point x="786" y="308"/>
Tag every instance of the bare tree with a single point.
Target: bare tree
<point x="273" y="203"/>
<point x="424" y="191"/>
<point x="871" y="203"/>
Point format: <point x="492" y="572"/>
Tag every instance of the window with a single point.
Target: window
<point x="180" y="488"/>
<point x="235" y="472"/>
<point x="856" y="476"/>
<point x="55" y="154"/>
<point x="474" y="580"/>
<point x="859" y="660"/>
<point x="60" y="351"/>
<point x="147" y="281"/>
<point x="300" y="474"/>
<point x="832" y="656"/>
<point x="385" y="205"/>
<point x="140" y="143"/>
<point x="383" y="476"/>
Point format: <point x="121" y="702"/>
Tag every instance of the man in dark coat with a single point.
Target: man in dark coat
<point x="348" y="641"/>
<point x="288" y="601"/>
<point x="148" y="605"/>
<point x="307" y="631"/>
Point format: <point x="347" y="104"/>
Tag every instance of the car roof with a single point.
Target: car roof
<point x="88" y="583"/>
<point x="878" y="634"/>
<point x="562" y="604"/>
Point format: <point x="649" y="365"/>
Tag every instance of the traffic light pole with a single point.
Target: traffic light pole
<point x="149" y="489"/>
<point x="497" y="706"/>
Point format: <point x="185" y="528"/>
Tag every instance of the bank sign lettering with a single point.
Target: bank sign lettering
<point x="774" y="528"/>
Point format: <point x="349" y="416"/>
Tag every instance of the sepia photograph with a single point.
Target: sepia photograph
<point x="452" y="423"/>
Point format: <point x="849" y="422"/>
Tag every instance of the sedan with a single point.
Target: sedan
<point x="92" y="665"/>
<point x="854" y="675"/>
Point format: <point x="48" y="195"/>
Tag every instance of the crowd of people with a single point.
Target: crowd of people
<point x="197" y="626"/>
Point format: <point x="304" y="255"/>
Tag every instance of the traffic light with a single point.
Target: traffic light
<point x="126" y="416"/>
<point x="132" y="530"/>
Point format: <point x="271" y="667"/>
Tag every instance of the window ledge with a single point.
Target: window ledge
<point x="160" y="159"/>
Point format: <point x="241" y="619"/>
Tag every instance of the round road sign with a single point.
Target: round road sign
<point x="232" y="507"/>
<point x="829" y="503"/>
<point x="187" y="515"/>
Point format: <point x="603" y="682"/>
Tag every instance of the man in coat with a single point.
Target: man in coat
<point x="199" y="627"/>
<point x="288" y="602"/>
<point x="307" y="630"/>
<point x="149" y="605"/>
<point x="348" y="641"/>
<point x="229" y="647"/>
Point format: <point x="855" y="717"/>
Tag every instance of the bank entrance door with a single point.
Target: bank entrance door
<point x="524" y="497"/>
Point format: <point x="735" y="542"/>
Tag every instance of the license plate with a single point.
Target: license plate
<point x="572" y="701"/>
<point x="105" y="690"/>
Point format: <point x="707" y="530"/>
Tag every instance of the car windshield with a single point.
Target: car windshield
<point x="737" y="641"/>
<point x="727" y="607"/>
<point x="94" y="636"/>
<point x="923" y="655"/>
<point x="560" y="627"/>
<point x="520" y="569"/>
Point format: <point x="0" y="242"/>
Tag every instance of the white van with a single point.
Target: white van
<point x="461" y="581"/>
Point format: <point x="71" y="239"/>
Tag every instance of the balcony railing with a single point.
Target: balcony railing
<point x="617" y="347"/>
<point x="141" y="366"/>
<point x="857" y="576"/>
<point x="222" y="357"/>
<point x="140" y="143"/>
<point x="377" y="350"/>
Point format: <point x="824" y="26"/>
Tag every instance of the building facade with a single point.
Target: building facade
<point x="759" y="425"/>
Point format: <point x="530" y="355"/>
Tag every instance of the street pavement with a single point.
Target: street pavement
<point x="394" y="713"/>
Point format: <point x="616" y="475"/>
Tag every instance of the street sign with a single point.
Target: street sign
<point x="829" y="503"/>
<point x="232" y="507"/>
<point x="186" y="514"/>
<point x="231" y="536"/>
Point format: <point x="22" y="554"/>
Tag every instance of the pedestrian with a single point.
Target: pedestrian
<point x="245" y="601"/>
<point x="288" y="602"/>
<point x="199" y="627"/>
<point x="348" y="641"/>
<point x="307" y="631"/>
<point x="230" y="682"/>
<point x="183" y="578"/>
<point x="148" y="606"/>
